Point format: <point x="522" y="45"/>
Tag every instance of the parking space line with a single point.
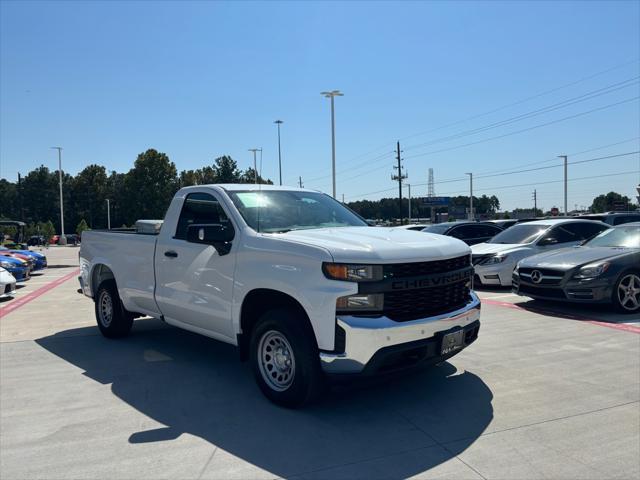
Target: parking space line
<point x="19" y="302"/>
<point x="617" y="326"/>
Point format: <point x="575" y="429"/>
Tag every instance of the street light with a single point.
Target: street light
<point x="255" y="165"/>
<point x="471" y="215"/>
<point x="279" y="122"/>
<point x="63" y="239"/>
<point x="331" y="95"/>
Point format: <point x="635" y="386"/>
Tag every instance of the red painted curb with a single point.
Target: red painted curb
<point x="616" y="326"/>
<point x="21" y="301"/>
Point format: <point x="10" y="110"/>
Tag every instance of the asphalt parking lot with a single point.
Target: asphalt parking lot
<point x="547" y="391"/>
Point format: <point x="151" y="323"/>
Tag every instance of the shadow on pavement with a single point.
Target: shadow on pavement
<point x="573" y="311"/>
<point x="196" y="385"/>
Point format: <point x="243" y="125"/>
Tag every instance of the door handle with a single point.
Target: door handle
<point x="171" y="254"/>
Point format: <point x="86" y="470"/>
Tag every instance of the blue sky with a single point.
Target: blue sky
<point x="196" y="80"/>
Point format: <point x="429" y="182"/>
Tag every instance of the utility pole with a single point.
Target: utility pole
<point x="343" y="198"/>
<point x="300" y="182"/>
<point x="471" y="215"/>
<point x="63" y="239"/>
<point x="431" y="192"/>
<point x="279" y="122"/>
<point x="20" y="196"/>
<point x="331" y="95"/>
<point x="535" y="203"/>
<point x="409" y="187"/>
<point x="255" y="166"/>
<point x="399" y="177"/>
<point x="564" y="157"/>
<point x="108" y="215"/>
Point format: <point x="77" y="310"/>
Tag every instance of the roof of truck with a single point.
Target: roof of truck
<point x="234" y="187"/>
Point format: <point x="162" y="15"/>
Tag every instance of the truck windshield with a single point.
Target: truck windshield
<point x="520" y="234"/>
<point x="280" y="211"/>
<point x="617" y="237"/>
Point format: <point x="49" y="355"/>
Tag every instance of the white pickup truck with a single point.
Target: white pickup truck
<point x="302" y="285"/>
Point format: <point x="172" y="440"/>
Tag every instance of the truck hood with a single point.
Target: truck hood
<point x="379" y="244"/>
<point x="495" y="248"/>
<point x="568" y="258"/>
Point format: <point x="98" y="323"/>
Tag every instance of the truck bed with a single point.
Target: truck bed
<point x="130" y="256"/>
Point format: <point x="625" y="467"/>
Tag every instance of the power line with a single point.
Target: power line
<point x="513" y="172"/>
<point x="533" y="113"/>
<point x="610" y="105"/>
<point x="502" y="107"/>
<point x="524" y="100"/>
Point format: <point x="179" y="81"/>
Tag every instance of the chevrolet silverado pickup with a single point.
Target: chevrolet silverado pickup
<point x="303" y="287"/>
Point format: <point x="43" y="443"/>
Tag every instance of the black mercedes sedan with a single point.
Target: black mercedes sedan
<point x="605" y="269"/>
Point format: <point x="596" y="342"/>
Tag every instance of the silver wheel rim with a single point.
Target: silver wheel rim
<point x="629" y="292"/>
<point x="276" y="360"/>
<point x="105" y="309"/>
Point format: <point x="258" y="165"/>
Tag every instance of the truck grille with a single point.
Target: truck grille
<point x="401" y="270"/>
<point x="403" y="306"/>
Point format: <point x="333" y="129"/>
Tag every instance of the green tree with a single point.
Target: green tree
<point x="249" y="176"/>
<point x="606" y="202"/>
<point x="9" y="200"/>
<point x="226" y="170"/>
<point x="48" y="230"/>
<point x="149" y="186"/>
<point x="82" y="226"/>
<point x="89" y="195"/>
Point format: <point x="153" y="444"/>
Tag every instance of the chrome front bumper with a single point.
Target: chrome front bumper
<point x="366" y="336"/>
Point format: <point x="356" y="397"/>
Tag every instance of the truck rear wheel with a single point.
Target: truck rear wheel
<point x="113" y="320"/>
<point x="285" y="359"/>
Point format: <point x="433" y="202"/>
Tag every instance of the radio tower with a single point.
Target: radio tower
<point x="431" y="192"/>
<point x="430" y="189"/>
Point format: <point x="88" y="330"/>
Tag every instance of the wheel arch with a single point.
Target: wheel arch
<point x="99" y="274"/>
<point x="259" y="301"/>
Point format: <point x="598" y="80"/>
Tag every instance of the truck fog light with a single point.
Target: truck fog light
<point x="360" y="302"/>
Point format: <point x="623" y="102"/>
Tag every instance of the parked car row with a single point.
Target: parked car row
<point x="579" y="259"/>
<point x="17" y="266"/>
<point x="605" y="269"/>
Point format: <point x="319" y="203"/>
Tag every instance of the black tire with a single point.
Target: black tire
<point x="286" y="330"/>
<point x="617" y="296"/>
<point x="118" y="323"/>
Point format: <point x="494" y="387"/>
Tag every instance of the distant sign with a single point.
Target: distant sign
<point x="555" y="212"/>
<point x="436" y="201"/>
<point x="620" y="206"/>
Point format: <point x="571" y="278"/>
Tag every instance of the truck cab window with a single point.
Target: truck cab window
<point x="200" y="208"/>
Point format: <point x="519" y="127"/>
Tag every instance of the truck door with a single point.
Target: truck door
<point x="194" y="283"/>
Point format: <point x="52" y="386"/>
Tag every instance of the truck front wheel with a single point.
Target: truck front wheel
<point x="285" y="360"/>
<point x="113" y="320"/>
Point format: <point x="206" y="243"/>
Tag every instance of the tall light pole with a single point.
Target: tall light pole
<point x="255" y="165"/>
<point x="63" y="239"/>
<point x="108" y="215"/>
<point x="564" y="157"/>
<point x="279" y="122"/>
<point x="471" y="215"/>
<point x="409" y="186"/>
<point x="331" y="95"/>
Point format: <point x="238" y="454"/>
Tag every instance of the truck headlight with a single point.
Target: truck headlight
<point x="352" y="273"/>
<point x="592" y="270"/>
<point x="360" y="302"/>
<point x="495" y="259"/>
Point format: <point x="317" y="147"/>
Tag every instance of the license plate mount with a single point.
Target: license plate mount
<point x="452" y="342"/>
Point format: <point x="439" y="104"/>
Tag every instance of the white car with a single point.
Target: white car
<point x="7" y="284"/>
<point x="495" y="260"/>
<point x="304" y="287"/>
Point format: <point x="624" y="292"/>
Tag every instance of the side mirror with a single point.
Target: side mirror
<point x="547" y="241"/>
<point x="220" y="236"/>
